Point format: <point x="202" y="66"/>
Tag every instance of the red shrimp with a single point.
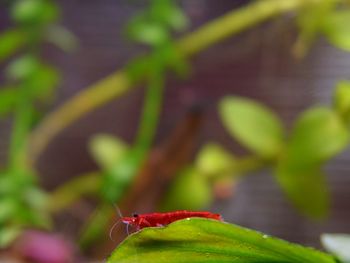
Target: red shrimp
<point x="163" y="219"/>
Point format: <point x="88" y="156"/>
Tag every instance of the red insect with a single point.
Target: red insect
<point x="163" y="219"/>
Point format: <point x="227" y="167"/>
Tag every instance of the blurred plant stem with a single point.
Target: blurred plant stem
<point x="248" y="164"/>
<point x="151" y="108"/>
<point x="118" y="83"/>
<point x="95" y="225"/>
<point x="89" y="184"/>
<point x="23" y="119"/>
<point x="113" y="188"/>
<point x="73" y="190"/>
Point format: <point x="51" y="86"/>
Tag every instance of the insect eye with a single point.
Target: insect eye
<point x="135" y="215"/>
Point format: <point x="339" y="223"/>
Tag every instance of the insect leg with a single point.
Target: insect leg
<point x="144" y="223"/>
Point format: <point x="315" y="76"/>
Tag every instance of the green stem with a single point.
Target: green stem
<point x="95" y="227"/>
<point x="73" y="190"/>
<point x="118" y="83"/>
<point x="151" y="109"/>
<point x="144" y="138"/>
<point x="22" y="121"/>
<point x="241" y="168"/>
<point x="89" y="184"/>
<point x="248" y="165"/>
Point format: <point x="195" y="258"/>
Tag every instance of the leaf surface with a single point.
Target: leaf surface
<point x="203" y="240"/>
<point x="253" y="125"/>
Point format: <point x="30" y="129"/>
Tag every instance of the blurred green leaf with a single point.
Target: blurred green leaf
<point x="10" y="42"/>
<point x="34" y="12"/>
<point x="336" y="29"/>
<point x="42" y="82"/>
<point x="96" y="226"/>
<point x="38" y="79"/>
<point x="310" y="21"/>
<point x="305" y="187"/>
<point x="174" y="60"/>
<point x="214" y="160"/>
<point x="201" y="240"/>
<point x="190" y="191"/>
<point x="61" y="38"/>
<point x="8" y="100"/>
<point x="22" y="67"/>
<point x="153" y="26"/>
<point x="318" y="135"/>
<point x="253" y="125"/>
<point x="35" y="198"/>
<point x="8" y="209"/>
<point x="142" y="30"/>
<point x="107" y="150"/>
<point x="8" y="235"/>
<point x="337" y="244"/>
<point x="30" y="216"/>
<point x="119" y="176"/>
<point x="168" y="13"/>
<point x="342" y="99"/>
<point x="6" y="184"/>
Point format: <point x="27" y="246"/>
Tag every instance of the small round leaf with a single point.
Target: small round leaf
<point x="190" y="191"/>
<point x="318" y="135"/>
<point x="253" y="125"/>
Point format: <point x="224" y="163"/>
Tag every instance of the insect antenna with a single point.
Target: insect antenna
<point x="112" y="228"/>
<point x="116" y="223"/>
<point x="118" y="210"/>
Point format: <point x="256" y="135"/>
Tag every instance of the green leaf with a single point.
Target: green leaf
<point x="34" y="12"/>
<point x="342" y="99"/>
<point x="8" y="100"/>
<point x="171" y="57"/>
<point x="318" y="135"/>
<point x="22" y="67"/>
<point x="305" y="187"/>
<point x="337" y="244"/>
<point x="254" y="125"/>
<point x="310" y="21"/>
<point x="168" y="13"/>
<point x="42" y="82"/>
<point x="119" y="176"/>
<point x="8" y="235"/>
<point x="107" y="150"/>
<point x="190" y="191"/>
<point x="336" y="29"/>
<point x="202" y="240"/>
<point x="96" y="226"/>
<point x="142" y="30"/>
<point x="9" y="207"/>
<point x="35" y="198"/>
<point x="213" y="160"/>
<point x="10" y="42"/>
<point x="61" y="38"/>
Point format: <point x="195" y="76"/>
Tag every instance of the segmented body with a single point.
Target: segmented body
<point x="163" y="219"/>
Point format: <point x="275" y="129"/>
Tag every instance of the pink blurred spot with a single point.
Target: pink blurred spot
<point x="43" y="247"/>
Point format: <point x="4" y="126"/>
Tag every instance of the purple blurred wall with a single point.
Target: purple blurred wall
<point x="257" y="64"/>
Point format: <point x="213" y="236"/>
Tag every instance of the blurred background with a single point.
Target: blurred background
<point x="259" y="63"/>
